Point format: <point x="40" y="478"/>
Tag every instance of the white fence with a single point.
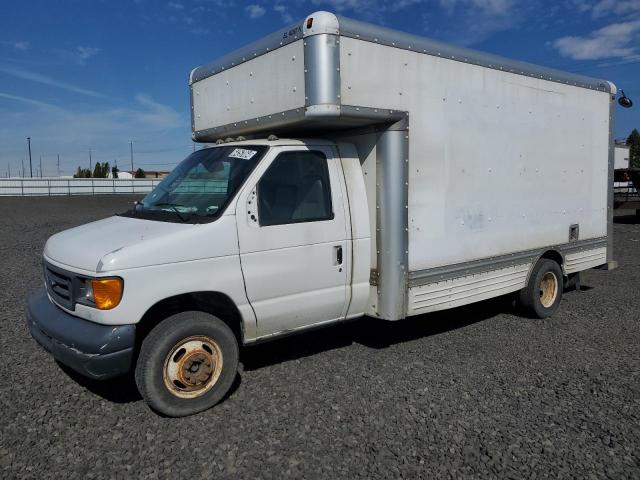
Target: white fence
<point x="75" y="186"/>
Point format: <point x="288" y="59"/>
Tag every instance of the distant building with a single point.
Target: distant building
<point x="621" y="156"/>
<point x="124" y="174"/>
<point x="147" y="174"/>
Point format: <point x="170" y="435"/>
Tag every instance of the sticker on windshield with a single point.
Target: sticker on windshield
<point x="242" y="153"/>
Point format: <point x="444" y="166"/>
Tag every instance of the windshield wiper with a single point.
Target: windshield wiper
<point x="174" y="207"/>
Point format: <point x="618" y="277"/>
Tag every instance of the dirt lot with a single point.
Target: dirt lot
<point x="473" y="392"/>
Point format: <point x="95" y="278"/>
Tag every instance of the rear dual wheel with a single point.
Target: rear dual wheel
<point x="187" y="364"/>
<point x="541" y="297"/>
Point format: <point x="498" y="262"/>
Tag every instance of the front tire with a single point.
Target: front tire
<point x="187" y="364"/>
<point x="541" y="297"/>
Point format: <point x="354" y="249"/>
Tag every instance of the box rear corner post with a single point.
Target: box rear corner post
<point x="611" y="263"/>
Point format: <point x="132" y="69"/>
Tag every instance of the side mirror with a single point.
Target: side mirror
<point x="624" y="101"/>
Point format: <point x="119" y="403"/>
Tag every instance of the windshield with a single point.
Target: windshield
<point x="200" y="187"/>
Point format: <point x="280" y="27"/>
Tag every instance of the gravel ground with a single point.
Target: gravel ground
<point x="473" y="392"/>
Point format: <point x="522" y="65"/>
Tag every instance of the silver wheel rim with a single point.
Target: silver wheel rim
<point x="548" y="289"/>
<point x="192" y="367"/>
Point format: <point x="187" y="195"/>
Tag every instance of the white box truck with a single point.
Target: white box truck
<point x="352" y="170"/>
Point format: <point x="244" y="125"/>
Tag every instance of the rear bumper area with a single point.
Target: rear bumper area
<point x="94" y="350"/>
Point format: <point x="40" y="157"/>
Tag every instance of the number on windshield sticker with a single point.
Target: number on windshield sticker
<point x="242" y="153"/>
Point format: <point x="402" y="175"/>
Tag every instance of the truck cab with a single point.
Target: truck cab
<point x="264" y="237"/>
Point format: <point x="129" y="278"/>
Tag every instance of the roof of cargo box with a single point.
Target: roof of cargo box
<point x="326" y="22"/>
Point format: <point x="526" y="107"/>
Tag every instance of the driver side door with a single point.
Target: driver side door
<point x="292" y="235"/>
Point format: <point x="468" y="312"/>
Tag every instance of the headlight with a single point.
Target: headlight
<point x="101" y="293"/>
<point x="84" y="292"/>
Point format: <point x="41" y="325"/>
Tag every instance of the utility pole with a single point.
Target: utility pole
<point x="30" y="164"/>
<point x="40" y="166"/>
<point x="131" y="149"/>
<point x="58" y="164"/>
<point x="9" y="169"/>
<point x="22" y="159"/>
<point x="90" y="167"/>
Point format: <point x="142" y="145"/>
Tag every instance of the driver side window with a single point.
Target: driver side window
<point x="295" y="188"/>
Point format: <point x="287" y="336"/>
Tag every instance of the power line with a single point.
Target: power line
<point x="30" y="165"/>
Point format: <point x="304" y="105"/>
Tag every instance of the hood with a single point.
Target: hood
<point x="122" y="242"/>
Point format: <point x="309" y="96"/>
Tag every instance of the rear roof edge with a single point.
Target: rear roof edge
<point x="406" y="41"/>
<point x="385" y="36"/>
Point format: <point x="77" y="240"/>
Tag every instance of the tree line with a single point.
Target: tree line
<point x="101" y="170"/>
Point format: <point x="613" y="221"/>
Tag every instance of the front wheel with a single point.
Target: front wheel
<point x="541" y="297"/>
<point x="187" y="363"/>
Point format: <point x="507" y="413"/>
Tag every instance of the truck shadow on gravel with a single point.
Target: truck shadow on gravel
<point x="627" y="219"/>
<point x="373" y="333"/>
<point x="117" y="390"/>
<point x="369" y="332"/>
<point x="120" y="389"/>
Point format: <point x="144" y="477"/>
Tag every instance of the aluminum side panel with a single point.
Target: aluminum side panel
<point x="269" y="83"/>
<point x="468" y="289"/>
<point x="499" y="162"/>
<point x="578" y="261"/>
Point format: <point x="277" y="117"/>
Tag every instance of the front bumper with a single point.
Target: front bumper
<point x="94" y="350"/>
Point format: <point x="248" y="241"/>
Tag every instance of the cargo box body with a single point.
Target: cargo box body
<point x="475" y="165"/>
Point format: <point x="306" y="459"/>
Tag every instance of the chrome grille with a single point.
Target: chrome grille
<point x="59" y="285"/>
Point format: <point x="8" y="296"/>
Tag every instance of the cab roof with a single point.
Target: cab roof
<point x="273" y="143"/>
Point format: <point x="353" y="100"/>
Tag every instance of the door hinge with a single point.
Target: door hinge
<point x="374" y="276"/>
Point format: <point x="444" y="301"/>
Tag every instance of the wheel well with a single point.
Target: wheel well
<point x="215" y="303"/>
<point x="555" y="256"/>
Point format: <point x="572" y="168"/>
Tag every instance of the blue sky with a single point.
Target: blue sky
<point x="80" y="74"/>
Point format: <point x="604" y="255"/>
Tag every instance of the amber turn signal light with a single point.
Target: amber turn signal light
<point x="107" y="292"/>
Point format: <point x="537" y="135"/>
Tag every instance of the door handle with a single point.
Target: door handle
<point x="338" y="257"/>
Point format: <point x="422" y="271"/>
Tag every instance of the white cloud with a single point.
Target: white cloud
<point x="21" y="45"/>
<point x="85" y="53"/>
<point x="154" y="115"/>
<point x="200" y="31"/>
<point x="467" y="21"/>
<point x="491" y="7"/>
<point x="79" y="54"/>
<point x="284" y="13"/>
<point x="367" y="8"/>
<point x="255" y="11"/>
<point x="617" y="40"/>
<point x="71" y="132"/>
<point x="342" y="5"/>
<point x="615" y="7"/>
<point x="45" y="80"/>
<point x="29" y="101"/>
<point x="473" y="21"/>
<point x="175" y="5"/>
<point x="629" y="59"/>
